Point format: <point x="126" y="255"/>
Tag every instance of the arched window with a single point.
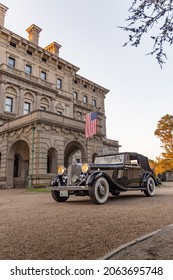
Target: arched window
<point x="29" y="103"/>
<point x="10" y="100"/>
<point x="44" y="104"/>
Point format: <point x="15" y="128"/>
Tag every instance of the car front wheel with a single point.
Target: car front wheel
<point x="99" y="192"/>
<point x="57" y="197"/>
<point x="150" y="184"/>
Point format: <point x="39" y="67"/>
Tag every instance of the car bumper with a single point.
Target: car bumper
<point x="68" y="188"/>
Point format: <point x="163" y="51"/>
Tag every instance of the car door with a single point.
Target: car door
<point x="134" y="173"/>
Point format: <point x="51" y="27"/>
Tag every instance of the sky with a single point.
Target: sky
<point x="140" y="92"/>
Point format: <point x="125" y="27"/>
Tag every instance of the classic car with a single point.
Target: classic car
<point x="109" y="174"/>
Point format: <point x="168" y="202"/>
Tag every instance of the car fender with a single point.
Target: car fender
<point x="57" y="178"/>
<point x="94" y="176"/>
<point x="145" y="177"/>
<point x="97" y="174"/>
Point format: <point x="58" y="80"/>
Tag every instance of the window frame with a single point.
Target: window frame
<point x="26" y="111"/>
<point x="12" y="44"/>
<point x="60" y="113"/>
<point x="9" y="105"/>
<point x="75" y="95"/>
<point x="44" y="108"/>
<point x="13" y="60"/>
<point x="43" y="76"/>
<point x="59" y="83"/>
<point x="85" y="99"/>
<point x="94" y="102"/>
<point x="29" y="52"/>
<point x="27" y="66"/>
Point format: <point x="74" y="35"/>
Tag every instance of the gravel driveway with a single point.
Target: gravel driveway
<point x="34" y="226"/>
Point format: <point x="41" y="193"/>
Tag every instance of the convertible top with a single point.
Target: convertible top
<point x="142" y="160"/>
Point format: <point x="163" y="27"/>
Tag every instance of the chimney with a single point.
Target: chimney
<point x="33" y="34"/>
<point x="53" y="48"/>
<point x="3" y="10"/>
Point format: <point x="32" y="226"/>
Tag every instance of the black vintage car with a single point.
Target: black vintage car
<point x="113" y="174"/>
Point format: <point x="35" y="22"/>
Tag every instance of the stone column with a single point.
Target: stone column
<point x="38" y="97"/>
<point x="53" y="105"/>
<point x="2" y="97"/>
<point x="20" y="100"/>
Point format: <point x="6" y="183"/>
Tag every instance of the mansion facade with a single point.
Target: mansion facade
<point x="43" y="102"/>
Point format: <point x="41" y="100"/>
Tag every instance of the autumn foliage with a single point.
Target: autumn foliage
<point x="164" y="132"/>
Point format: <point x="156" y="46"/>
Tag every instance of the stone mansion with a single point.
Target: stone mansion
<point x="43" y="102"/>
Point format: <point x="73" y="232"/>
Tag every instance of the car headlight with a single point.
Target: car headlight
<point x="85" y="167"/>
<point x="61" y="170"/>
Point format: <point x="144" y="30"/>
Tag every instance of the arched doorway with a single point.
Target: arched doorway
<point x="18" y="165"/>
<point x="74" y="151"/>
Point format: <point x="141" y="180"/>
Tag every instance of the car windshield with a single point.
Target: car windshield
<point x="112" y="159"/>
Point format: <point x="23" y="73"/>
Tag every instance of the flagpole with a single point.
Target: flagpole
<point x="86" y="141"/>
<point x="86" y="149"/>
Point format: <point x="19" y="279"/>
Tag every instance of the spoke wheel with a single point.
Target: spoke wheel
<point x="100" y="191"/>
<point x="150" y="184"/>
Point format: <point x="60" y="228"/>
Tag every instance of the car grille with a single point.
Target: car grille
<point x="73" y="171"/>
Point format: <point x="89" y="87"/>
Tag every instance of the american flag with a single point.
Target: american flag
<point x="90" y="124"/>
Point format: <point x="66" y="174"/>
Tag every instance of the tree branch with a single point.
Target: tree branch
<point x="144" y="17"/>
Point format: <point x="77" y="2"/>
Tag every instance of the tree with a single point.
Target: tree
<point x="144" y="16"/>
<point x="160" y="165"/>
<point x="164" y="131"/>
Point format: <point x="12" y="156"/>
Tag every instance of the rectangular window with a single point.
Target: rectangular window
<point x="11" y="62"/>
<point x="43" y="75"/>
<point x="43" y="108"/>
<point x="9" y="104"/>
<point x="44" y="59"/>
<point x="59" y="83"/>
<point x="85" y="99"/>
<point x="12" y="44"/>
<point x="94" y="103"/>
<point x="59" y="112"/>
<point x="28" y="69"/>
<point x="29" y="52"/>
<point x="75" y="96"/>
<point x="27" y="108"/>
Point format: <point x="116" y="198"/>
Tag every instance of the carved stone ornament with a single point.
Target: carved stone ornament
<point x="12" y="134"/>
<point x="46" y="127"/>
<point x="65" y="131"/>
<point x="10" y="90"/>
<point x="27" y="129"/>
<point x="57" y="129"/>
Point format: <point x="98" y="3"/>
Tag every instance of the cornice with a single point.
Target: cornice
<point x="37" y="48"/>
<point x="85" y="80"/>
